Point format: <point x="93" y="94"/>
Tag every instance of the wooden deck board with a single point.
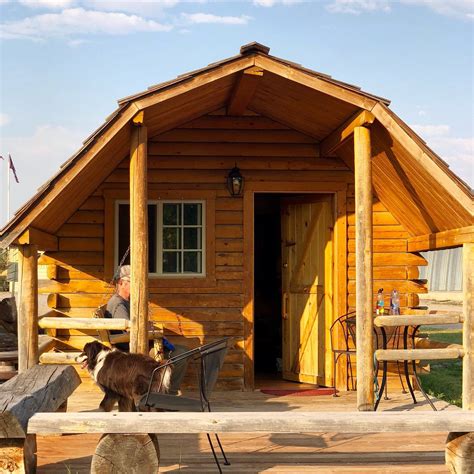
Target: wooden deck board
<point x="251" y="453"/>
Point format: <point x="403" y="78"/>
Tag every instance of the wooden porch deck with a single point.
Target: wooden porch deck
<point x="257" y="452"/>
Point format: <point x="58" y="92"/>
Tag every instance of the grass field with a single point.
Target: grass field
<point x="445" y="378"/>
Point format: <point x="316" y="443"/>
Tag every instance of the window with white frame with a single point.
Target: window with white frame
<point x="176" y="236"/>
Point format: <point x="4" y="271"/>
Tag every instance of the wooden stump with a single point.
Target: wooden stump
<point x="126" y="454"/>
<point x="18" y="456"/>
<point x="460" y="453"/>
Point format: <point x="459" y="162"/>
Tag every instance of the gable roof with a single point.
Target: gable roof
<point x="409" y="178"/>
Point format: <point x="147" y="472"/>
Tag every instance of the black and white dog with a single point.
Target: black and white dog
<point x="123" y="377"/>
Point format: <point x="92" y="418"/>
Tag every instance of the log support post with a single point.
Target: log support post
<point x="460" y="446"/>
<point x="364" y="290"/>
<point x="28" y="309"/>
<point x="138" y="237"/>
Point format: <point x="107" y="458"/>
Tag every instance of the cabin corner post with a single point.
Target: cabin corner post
<point x="28" y="354"/>
<point x="138" y="237"/>
<point x="468" y="328"/>
<point x="364" y="259"/>
<point x="459" y="453"/>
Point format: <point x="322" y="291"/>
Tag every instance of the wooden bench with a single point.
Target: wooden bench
<point x="127" y="432"/>
<point x="39" y="389"/>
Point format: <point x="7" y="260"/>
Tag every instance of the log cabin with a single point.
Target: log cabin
<point x="258" y="199"/>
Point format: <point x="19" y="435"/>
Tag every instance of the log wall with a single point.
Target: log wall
<point x="194" y="312"/>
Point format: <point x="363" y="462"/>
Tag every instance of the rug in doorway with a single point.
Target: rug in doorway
<point x="305" y="392"/>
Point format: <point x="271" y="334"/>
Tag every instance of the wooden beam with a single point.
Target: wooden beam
<point x="364" y="259"/>
<point x="359" y="99"/>
<point x="139" y="238"/>
<point x="468" y="328"/>
<point x="84" y="323"/>
<point x="59" y="358"/>
<point x="336" y="138"/>
<point x="421" y="154"/>
<point x="442" y="240"/>
<point x="139" y="118"/>
<point x="416" y="320"/>
<point x="43" y="240"/>
<point x="419" y="354"/>
<point x="245" y="87"/>
<point x="28" y="308"/>
<point x="250" y="422"/>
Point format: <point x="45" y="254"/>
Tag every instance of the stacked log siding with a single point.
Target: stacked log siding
<point x="196" y="157"/>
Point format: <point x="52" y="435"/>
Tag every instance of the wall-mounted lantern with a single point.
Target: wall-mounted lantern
<point x="235" y="182"/>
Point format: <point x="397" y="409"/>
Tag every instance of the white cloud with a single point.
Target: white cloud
<point x="144" y="8"/>
<point x="77" y="21"/>
<point x="76" y="42"/>
<point x="455" y="8"/>
<point x="271" y="3"/>
<point x="431" y="130"/>
<point x="38" y="157"/>
<point x="458" y="152"/>
<point x="356" y="7"/>
<point x="4" y="119"/>
<point x="53" y="4"/>
<point x="202" y="18"/>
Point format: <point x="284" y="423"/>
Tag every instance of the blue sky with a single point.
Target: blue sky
<point x="65" y="63"/>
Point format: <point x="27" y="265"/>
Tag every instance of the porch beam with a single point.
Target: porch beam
<point x="28" y="354"/>
<point x="441" y="240"/>
<point x="43" y="240"/>
<point x="336" y="138"/>
<point x="138" y="236"/>
<point x="244" y="90"/>
<point x="468" y="328"/>
<point x="364" y="258"/>
<point x="460" y="444"/>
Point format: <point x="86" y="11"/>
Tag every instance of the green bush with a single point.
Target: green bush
<point x="445" y="378"/>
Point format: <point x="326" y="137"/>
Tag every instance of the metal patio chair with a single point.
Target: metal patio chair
<point x="211" y="358"/>
<point x="346" y="325"/>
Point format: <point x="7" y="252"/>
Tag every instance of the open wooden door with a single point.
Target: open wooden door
<point x="307" y="260"/>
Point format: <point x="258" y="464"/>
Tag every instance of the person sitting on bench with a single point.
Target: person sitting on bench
<point x="118" y="306"/>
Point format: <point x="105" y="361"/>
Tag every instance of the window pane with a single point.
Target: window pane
<point x="192" y="238"/>
<point x="192" y="262"/>
<point x="192" y="214"/>
<point x="171" y="238"/>
<point x="171" y="262"/>
<point x="171" y="214"/>
<point x="124" y="235"/>
<point x="152" y="238"/>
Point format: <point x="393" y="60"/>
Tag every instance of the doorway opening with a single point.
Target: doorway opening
<point x="293" y="287"/>
<point x="267" y="287"/>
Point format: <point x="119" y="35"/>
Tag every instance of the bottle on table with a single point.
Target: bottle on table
<point x="379" y="308"/>
<point x="395" y="302"/>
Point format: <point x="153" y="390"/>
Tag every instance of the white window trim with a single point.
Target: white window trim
<point x="159" y="237"/>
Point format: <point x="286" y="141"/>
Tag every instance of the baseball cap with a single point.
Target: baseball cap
<point x="122" y="273"/>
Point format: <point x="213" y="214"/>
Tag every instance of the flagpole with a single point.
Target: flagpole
<point x="8" y="189"/>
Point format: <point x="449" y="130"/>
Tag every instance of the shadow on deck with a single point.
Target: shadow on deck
<point x="257" y="452"/>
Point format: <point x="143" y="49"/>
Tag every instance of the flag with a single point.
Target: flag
<point x="12" y="167"/>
